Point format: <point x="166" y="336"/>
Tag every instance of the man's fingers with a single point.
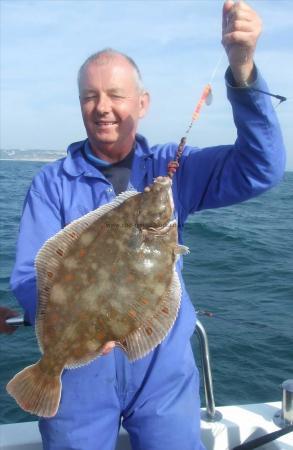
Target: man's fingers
<point x="239" y="37"/>
<point x="237" y="11"/>
<point x="240" y="25"/>
<point x="232" y="9"/>
<point x="108" y="347"/>
<point x="228" y="5"/>
<point x="231" y="6"/>
<point x="240" y="32"/>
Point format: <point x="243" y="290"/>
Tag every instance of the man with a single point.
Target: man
<point x="157" y="396"/>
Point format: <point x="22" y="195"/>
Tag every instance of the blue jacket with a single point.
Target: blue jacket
<point x="207" y="178"/>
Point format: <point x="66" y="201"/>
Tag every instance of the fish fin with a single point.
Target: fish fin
<point x="143" y="340"/>
<point x="51" y="254"/>
<point x="124" y="196"/>
<point x="121" y="345"/>
<point x="35" y="391"/>
<point x="84" y="362"/>
<point x="181" y="250"/>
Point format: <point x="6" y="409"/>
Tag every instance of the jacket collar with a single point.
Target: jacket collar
<point x="141" y="174"/>
<point x="75" y="163"/>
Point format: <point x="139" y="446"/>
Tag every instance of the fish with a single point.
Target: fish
<point x="107" y="276"/>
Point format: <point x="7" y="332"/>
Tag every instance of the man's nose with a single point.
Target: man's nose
<point x="103" y="104"/>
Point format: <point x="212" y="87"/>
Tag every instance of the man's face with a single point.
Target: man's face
<point x="111" y="105"/>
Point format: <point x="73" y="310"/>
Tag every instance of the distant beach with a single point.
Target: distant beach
<point x="31" y="160"/>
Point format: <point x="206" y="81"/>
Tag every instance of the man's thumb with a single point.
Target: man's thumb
<point x="227" y="6"/>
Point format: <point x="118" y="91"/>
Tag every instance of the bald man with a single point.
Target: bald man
<point x="156" y="398"/>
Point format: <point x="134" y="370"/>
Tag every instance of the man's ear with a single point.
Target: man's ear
<point x="144" y="102"/>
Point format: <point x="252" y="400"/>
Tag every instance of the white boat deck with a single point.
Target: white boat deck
<point x="238" y="424"/>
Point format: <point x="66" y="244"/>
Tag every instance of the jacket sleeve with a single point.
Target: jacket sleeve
<point x="40" y="220"/>
<point x="227" y="174"/>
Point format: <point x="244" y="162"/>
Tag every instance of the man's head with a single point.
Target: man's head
<point x="112" y="101"/>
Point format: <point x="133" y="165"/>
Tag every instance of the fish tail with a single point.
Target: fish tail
<point x="36" y="391"/>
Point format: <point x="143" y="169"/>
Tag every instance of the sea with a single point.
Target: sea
<point x="239" y="274"/>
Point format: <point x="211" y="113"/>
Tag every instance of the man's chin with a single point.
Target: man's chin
<point x="101" y="143"/>
<point x="103" y="139"/>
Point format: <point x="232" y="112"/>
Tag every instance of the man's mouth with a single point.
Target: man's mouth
<point x="106" y="123"/>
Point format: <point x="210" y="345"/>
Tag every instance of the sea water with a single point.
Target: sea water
<point x="239" y="274"/>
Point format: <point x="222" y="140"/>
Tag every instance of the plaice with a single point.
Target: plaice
<point x="108" y="276"/>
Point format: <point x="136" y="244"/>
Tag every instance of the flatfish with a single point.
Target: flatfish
<point x="108" y="276"/>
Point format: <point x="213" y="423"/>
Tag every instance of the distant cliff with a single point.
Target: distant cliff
<point x="31" y="155"/>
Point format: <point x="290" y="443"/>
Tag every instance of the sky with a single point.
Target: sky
<point x="176" y="44"/>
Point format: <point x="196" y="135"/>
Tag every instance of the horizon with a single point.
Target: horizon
<point x="52" y="160"/>
<point x="176" y="45"/>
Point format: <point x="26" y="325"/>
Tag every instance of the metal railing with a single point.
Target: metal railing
<point x="210" y="414"/>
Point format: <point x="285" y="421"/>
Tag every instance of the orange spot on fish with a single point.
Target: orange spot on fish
<point x="165" y="310"/>
<point x="73" y="235"/>
<point x="50" y="274"/>
<point x="132" y="313"/>
<point x="54" y="317"/>
<point x="100" y="322"/>
<point x="69" y="277"/>
<point x="59" y="252"/>
<point x="82" y="252"/>
<point x="100" y="335"/>
<point x="144" y="301"/>
<point x="149" y="331"/>
<point x="160" y="276"/>
<point x="77" y="351"/>
<point x="130" y="278"/>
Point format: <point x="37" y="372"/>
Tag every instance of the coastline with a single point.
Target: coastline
<point x="33" y="159"/>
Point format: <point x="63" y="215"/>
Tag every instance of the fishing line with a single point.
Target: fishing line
<point x="287" y="99"/>
<point x="206" y="97"/>
<point x="217" y="66"/>
<point x="212" y="315"/>
<point x="281" y="98"/>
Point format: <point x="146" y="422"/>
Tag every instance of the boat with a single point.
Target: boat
<point x="268" y="426"/>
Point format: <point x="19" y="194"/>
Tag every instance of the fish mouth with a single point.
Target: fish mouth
<point x="164" y="181"/>
<point x="163" y="229"/>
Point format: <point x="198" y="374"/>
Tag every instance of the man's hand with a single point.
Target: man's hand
<point x="108" y="347"/>
<point x="6" y="313"/>
<point x="241" y="29"/>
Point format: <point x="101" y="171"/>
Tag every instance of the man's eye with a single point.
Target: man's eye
<point x="89" y="97"/>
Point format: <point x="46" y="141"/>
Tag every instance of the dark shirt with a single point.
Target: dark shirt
<point x="118" y="174"/>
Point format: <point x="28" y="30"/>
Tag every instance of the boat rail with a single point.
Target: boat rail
<point x="210" y="414"/>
